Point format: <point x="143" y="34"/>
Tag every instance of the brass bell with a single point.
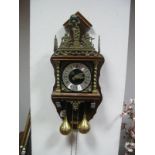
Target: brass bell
<point x="65" y="127"/>
<point x="84" y="126"/>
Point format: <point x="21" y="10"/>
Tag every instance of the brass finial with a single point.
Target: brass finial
<point x="99" y="44"/>
<point x="55" y="43"/>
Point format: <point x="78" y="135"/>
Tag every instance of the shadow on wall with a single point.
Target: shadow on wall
<point x="90" y="139"/>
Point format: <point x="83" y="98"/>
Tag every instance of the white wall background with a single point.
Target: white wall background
<point x="110" y="19"/>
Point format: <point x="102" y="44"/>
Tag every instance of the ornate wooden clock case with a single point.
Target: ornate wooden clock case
<point x="76" y="92"/>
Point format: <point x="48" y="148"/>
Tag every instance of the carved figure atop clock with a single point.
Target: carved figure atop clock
<point x="76" y="92"/>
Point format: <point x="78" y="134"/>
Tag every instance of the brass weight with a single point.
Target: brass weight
<point x="65" y="127"/>
<point x="84" y="126"/>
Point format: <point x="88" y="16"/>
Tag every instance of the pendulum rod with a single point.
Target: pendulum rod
<point x="76" y="134"/>
<point x="72" y="134"/>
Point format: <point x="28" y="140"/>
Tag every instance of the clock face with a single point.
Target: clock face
<point x="76" y="76"/>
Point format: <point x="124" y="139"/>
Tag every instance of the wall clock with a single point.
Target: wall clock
<point x="76" y="92"/>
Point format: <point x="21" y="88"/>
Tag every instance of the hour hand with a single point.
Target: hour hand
<point x="78" y="76"/>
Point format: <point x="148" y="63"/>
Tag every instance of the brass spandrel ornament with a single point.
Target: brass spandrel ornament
<point x="76" y="92"/>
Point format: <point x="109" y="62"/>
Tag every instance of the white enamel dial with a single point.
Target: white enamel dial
<point x="76" y="76"/>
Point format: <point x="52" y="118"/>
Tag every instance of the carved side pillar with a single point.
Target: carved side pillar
<point x="95" y="78"/>
<point x="58" y="76"/>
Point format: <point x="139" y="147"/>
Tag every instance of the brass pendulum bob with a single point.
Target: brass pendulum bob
<point x="84" y="126"/>
<point x="65" y="127"/>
